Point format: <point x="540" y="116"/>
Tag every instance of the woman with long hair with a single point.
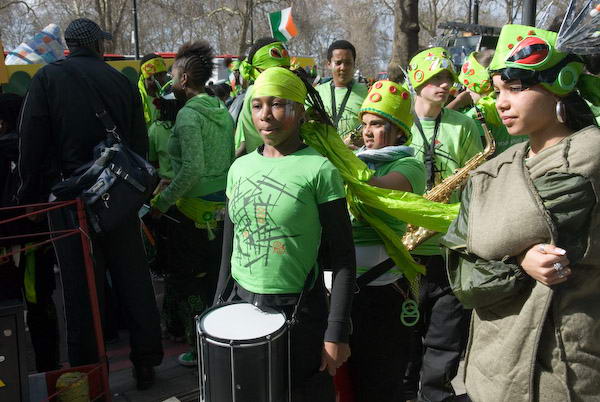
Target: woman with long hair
<point x="524" y="252"/>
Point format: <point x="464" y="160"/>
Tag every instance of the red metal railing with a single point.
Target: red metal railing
<point x="82" y="231"/>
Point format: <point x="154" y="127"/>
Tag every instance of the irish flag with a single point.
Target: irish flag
<point x="282" y="25"/>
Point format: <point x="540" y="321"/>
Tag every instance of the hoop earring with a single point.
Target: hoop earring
<point x="560" y="112"/>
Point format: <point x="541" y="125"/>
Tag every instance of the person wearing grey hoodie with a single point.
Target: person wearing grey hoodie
<point x="201" y="150"/>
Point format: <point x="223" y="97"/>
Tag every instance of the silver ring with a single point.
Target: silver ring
<point x="558" y="267"/>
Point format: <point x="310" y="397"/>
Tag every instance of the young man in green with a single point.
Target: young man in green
<point x="265" y="53"/>
<point x="479" y="95"/>
<point x="343" y="95"/>
<point x="445" y="140"/>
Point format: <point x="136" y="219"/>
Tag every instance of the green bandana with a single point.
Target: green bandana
<point x="428" y="63"/>
<point x="271" y="55"/>
<point x="529" y="54"/>
<point x="392" y="102"/>
<point x="282" y="83"/>
<point x="474" y="76"/>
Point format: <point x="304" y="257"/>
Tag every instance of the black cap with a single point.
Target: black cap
<point x="83" y="31"/>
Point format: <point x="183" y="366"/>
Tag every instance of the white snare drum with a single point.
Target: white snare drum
<point x="243" y="354"/>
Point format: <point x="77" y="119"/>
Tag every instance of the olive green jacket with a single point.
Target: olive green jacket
<point x="530" y="342"/>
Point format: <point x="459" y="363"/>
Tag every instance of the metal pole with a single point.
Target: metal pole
<point x="470" y="8"/>
<point x="251" y="22"/>
<point x="476" y="12"/>
<point x="135" y="31"/>
<point x="529" y="7"/>
<point x="95" y="307"/>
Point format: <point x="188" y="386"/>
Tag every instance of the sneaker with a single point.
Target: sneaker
<point x="187" y="359"/>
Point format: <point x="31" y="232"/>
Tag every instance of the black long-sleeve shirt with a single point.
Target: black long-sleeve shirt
<point x="58" y="127"/>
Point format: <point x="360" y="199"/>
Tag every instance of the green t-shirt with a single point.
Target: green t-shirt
<point x="150" y="111"/>
<point x="349" y="120"/>
<point x="363" y="234"/>
<point x="158" y="148"/>
<point x="245" y="130"/>
<point x="458" y="140"/>
<point x="503" y="139"/>
<point x="273" y="206"/>
<point x="414" y="171"/>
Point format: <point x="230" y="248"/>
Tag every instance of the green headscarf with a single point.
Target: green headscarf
<point x="428" y="63"/>
<point x="282" y="83"/>
<point x="271" y="55"/>
<point x="392" y="102"/>
<point x="530" y="54"/>
<point x="474" y="76"/>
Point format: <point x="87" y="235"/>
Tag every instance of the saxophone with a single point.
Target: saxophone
<point x="414" y="235"/>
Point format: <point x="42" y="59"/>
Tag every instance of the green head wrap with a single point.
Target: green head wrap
<point x="282" y="83"/>
<point x="529" y="54"/>
<point x="474" y="76"/>
<point x="271" y="55"/>
<point x="428" y="63"/>
<point x="392" y="102"/>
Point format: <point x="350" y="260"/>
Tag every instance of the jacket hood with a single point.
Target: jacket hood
<point x="210" y="107"/>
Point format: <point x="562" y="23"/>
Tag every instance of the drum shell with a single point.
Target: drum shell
<point x="253" y="370"/>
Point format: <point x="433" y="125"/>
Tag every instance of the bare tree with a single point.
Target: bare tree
<point x="406" y="34"/>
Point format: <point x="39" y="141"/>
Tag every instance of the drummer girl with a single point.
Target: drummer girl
<point x="283" y="199"/>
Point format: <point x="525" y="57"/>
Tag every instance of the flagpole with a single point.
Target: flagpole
<point x="135" y="31"/>
<point x="251" y="21"/>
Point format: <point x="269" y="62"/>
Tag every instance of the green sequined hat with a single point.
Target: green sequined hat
<point x="529" y="54"/>
<point x="392" y="102"/>
<point x="428" y="63"/>
<point x="474" y="76"/>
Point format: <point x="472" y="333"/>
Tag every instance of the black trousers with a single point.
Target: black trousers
<point x="193" y="269"/>
<point x="443" y="331"/>
<point x="306" y="338"/>
<point x="380" y="344"/>
<point x="41" y="312"/>
<point x="122" y="253"/>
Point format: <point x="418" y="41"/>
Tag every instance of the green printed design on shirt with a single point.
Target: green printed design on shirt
<point x="273" y="206"/>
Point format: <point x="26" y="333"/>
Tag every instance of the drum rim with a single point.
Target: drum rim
<point x="224" y="341"/>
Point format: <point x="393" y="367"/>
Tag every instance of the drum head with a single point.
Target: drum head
<point x="241" y="321"/>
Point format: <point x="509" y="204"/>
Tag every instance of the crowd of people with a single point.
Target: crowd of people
<point x="256" y="204"/>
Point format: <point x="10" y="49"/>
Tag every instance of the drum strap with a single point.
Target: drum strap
<point x="310" y="279"/>
<point x="226" y="293"/>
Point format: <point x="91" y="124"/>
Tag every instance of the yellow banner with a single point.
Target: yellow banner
<point x="3" y="71"/>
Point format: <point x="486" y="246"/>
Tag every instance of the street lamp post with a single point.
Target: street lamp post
<point x="135" y="31"/>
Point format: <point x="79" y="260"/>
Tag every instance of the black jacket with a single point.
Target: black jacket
<point x="58" y="127"/>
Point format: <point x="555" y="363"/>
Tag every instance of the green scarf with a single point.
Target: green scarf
<point x="364" y="199"/>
